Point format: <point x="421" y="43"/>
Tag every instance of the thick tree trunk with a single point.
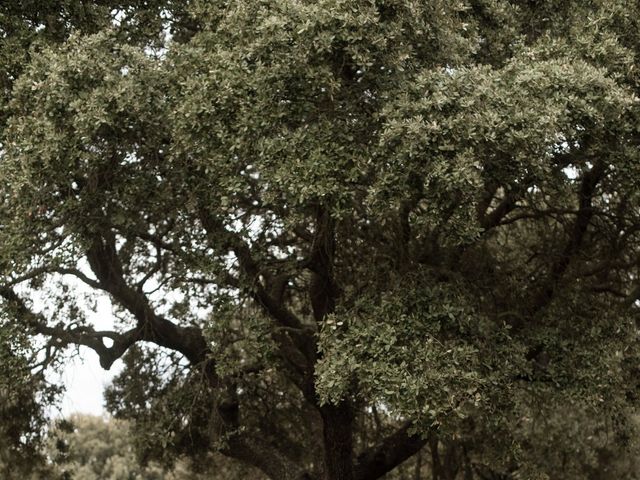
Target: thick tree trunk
<point x="338" y="441"/>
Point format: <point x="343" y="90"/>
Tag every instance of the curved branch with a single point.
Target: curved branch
<point x="104" y="262"/>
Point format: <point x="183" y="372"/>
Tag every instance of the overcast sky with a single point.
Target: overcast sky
<point x="85" y="380"/>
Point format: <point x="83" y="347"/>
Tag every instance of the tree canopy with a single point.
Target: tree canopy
<point x="334" y="233"/>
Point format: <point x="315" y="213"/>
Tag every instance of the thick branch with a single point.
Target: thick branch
<point x="506" y="205"/>
<point x="250" y="268"/>
<point x="583" y="217"/>
<point x="387" y="455"/>
<point x="106" y="266"/>
<point x="293" y="338"/>
<point x="274" y="308"/>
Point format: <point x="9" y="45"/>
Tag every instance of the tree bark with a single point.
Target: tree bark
<point x="338" y="441"/>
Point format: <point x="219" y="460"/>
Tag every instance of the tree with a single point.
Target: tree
<point x="94" y="448"/>
<point x="334" y="232"/>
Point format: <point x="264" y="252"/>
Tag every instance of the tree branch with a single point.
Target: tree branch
<point x="81" y="335"/>
<point x="387" y="455"/>
<point x="583" y="217"/>
<point x="103" y="260"/>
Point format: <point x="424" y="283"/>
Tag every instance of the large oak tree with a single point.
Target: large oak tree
<point x="332" y="232"/>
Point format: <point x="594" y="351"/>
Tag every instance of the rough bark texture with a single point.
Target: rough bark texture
<point x="338" y="441"/>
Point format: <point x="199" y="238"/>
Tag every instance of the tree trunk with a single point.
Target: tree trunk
<point x="338" y="441"/>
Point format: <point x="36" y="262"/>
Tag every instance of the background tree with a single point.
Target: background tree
<point x="85" y="447"/>
<point x="334" y="232"/>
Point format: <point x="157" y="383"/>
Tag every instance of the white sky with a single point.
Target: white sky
<point x="85" y="380"/>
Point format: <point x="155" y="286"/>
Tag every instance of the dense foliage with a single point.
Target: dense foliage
<point x="24" y="393"/>
<point x="334" y="233"/>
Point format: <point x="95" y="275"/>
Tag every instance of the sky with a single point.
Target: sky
<point x="85" y="380"/>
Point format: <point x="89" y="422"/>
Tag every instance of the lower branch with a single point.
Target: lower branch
<point x="390" y="453"/>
